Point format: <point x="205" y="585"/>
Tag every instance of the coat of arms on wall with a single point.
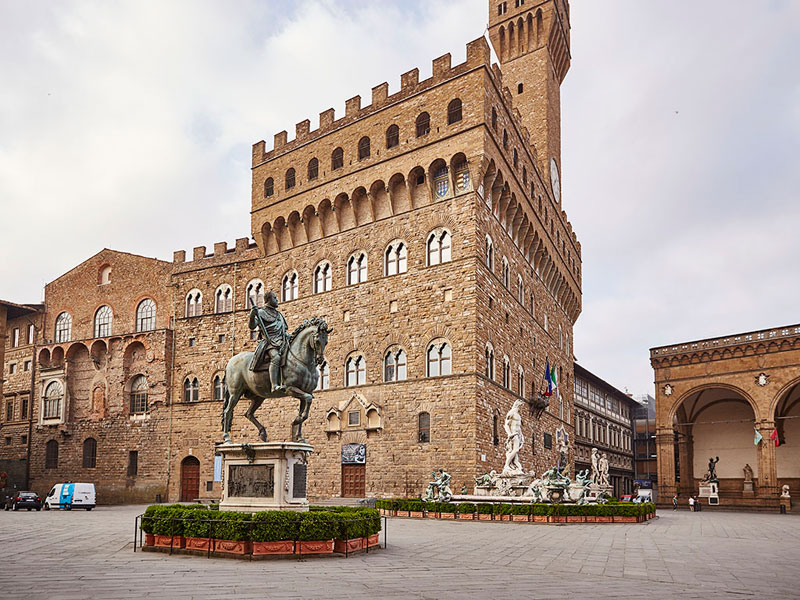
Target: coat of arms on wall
<point x="762" y="379"/>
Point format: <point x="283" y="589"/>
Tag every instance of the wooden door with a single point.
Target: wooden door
<point x="354" y="481"/>
<point x="190" y="479"/>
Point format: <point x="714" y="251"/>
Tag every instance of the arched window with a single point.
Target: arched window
<point x="53" y="394"/>
<point x="489" y="356"/>
<point x="423" y="124"/>
<point x="392" y="136"/>
<point x="63" y="327"/>
<point x="146" y="315"/>
<point x="515" y="158"/>
<point x="363" y="148"/>
<point x="313" y="169"/>
<point x="255" y="293"/>
<point x="223" y="299"/>
<point x="322" y="278"/>
<point x="139" y="395"/>
<point x="394" y="365"/>
<point x="219" y="388"/>
<point x="506" y="373"/>
<point x="194" y="303"/>
<point x="505" y="273"/>
<point x="524" y="176"/>
<point x="494" y="118"/>
<point x="396" y="258"/>
<point x="454" y="111"/>
<point x="105" y="275"/>
<point x="520" y="290"/>
<point x="439" y="359"/>
<point x="51" y="455"/>
<point x="290" y="179"/>
<point x="441" y="182"/>
<point x="461" y="174"/>
<point x="102" y="321"/>
<point x="191" y="389"/>
<point x="495" y="433"/>
<point x="424" y="428"/>
<point x="269" y="187"/>
<point x="337" y="159"/>
<point x="489" y="253"/>
<point x="289" y="286"/>
<point x="520" y="381"/>
<point x="505" y="139"/>
<point x="357" y="268"/>
<point x="356" y="371"/>
<point x="89" y="453"/>
<point x="323" y="376"/>
<point x="438" y="247"/>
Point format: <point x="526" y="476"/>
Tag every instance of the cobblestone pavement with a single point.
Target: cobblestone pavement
<point x="65" y="555"/>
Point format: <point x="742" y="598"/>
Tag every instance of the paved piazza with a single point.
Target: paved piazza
<point x="65" y="555"/>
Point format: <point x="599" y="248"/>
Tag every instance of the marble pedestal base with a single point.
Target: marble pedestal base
<point x="747" y="490"/>
<point x="264" y="476"/>
<point x="710" y="491"/>
<point x="595" y="492"/>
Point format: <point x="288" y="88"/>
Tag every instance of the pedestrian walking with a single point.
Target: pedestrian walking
<point x="691" y="503"/>
<point x="675" y="502"/>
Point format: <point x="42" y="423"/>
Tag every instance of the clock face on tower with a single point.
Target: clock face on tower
<point x="554" y="182"/>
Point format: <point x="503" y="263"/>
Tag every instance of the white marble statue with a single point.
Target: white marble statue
<point x="748" y="473"/>
<point x="785" y="492"/>
<point x="562" y="441"/>
<point x="602" y="466"/>
<point x="595" y="466"/>
<point x="514" y="440"/>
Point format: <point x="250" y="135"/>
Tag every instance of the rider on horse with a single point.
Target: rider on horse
<point x="273" y="340"/>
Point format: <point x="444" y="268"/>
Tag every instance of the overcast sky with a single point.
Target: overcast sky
<point x="129" y="125"/>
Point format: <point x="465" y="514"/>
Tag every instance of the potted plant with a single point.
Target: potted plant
<point x="503" y="511"/>
<point x="316" y="533"/>
<point x="574" y="514"/>
<point x="521" y="512"/>
<point x="466" y="510"/>
<point x="415" y="508"/>
<point x="231" y="532"/>
<point x="168" y="528"/>
<point x="626" y="513"/>
<point x="540" y="513"/>
<point x="604" y="513"/>
<point x="446" y="510"/>
<point x="148" y="523"/>
<point x="590" y="513"/>
<point x="485" y="511"/>
<point x="402" y="508"/>
<point x="557" y="514"/>
<point x="197" y="529"/>
<point x="274" y="532"/>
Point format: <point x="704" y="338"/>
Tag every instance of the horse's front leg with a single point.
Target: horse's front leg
<point x="255" y="403"/>
<point x="302" y="413"/>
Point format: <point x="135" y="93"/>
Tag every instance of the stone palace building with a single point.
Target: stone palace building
<point x="426" y="227"/>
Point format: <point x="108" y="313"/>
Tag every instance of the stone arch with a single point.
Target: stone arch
<point x="398" y="194"/>
<point x="44" y="358"/>
<point x="362" y="208"/>
<point x="345" y="216"/>
<point x="297" y="231"/>
<point x="418" y="191"/>
<point x="327" y="218"/>
<point x="312" y="223"/>
<point x="282" y="237"/>
<point x="706" y="386"/>
<point x="379" y="196"/>
<point x="57" y="358"/>
<point x="135" y="354"/>
<point x="99" y="354"/>
<point x="269" y="242"/>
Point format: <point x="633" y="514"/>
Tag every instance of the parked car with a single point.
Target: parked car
<point x="626" y="498"/>
<point x="29" y="500"/>
<point x="71" y="495"/>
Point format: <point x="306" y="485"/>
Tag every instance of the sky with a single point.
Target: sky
<point x="129" y="125"/>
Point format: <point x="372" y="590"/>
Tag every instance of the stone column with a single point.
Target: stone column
<point x="665" y="451"/>
<point x="686" y="461"/>
<point x="767" y="464"/>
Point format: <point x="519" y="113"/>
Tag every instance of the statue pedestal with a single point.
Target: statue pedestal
<point x="747" y="490"/>
<point x="595" y="492"/>
<point x="711" y="491"/>
<point x="264" y="476"/>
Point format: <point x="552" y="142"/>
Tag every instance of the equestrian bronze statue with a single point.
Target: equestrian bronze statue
<point x="291" y="369"/>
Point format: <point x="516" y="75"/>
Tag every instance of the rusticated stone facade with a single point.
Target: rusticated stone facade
<point x="424" y="224"/>
<point x="713" y="397"/>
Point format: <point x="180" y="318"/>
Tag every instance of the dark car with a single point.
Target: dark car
<point x="29" y="500"/>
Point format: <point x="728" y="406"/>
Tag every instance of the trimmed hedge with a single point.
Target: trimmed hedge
<point x="466" y="508"/>
<point x="321" y="523"/>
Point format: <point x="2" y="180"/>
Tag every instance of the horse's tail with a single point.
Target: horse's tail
<point x="226" y="396"/>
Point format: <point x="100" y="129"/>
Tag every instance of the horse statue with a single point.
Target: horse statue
<point x="306" y="351"/>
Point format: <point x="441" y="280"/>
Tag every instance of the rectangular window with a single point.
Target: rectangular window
<point x="133" y="463"/>
<point x="10" y="410"/>
<point x="15" y="337"/>
<point x="27" y="366"/>
<point x="8" y="441"/>
<point x="31" y="334"/>
<point x="12" y="368"/>
<point x="353" y="418"/>
<point x="24" y="440"/>
<point x="191" y="342"/>
<point x="548" y="441"/>
<point x="221" y="338"/>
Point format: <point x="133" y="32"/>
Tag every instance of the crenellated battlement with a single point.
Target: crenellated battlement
<point x="477" y="55"/>
<point x="243" y="249"/>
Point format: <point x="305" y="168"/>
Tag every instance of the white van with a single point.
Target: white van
<point x="71" y="495"/>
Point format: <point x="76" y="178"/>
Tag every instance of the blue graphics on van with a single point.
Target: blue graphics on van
<point x="67" y="491"/>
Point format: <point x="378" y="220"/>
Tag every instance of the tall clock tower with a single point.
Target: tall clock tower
<point x="531" y="40"/>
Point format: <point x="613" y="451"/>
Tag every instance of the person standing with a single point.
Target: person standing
<point x="691" y="503"/>
<point x="675" y="502"/>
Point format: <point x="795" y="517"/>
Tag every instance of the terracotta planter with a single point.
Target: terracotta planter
<point x="149" y="539"/>
<point x="590" y="519"/>
<point x="417" y="514"/>
<point x="520" y="517"/>
<point x="373" y="540"/>
<point x="231" y="547"/>
<point x="540" y="518"/>
<point x="575" y="518"/>
<point x="193" y="543"/>
<point x="351" y="545"/>
<point x="558" y="519"/>
<point x="167" y="541"/>
<point x="402" y="513"/>
<point x="624" y="519"/>
<point x="447" y="516"/>
<point x="281" y="547"/>
<point x="505" y="517"/>
<point x="482" y="517"/>
<point x="603" y="519"/>
<point x="316" y="547"/>
<point x="466" y="516"/>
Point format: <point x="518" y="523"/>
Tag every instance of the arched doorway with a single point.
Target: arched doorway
<point x="787" y="423"/>
<point x="190" y="479"/>
<point x="715" y="422"/>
